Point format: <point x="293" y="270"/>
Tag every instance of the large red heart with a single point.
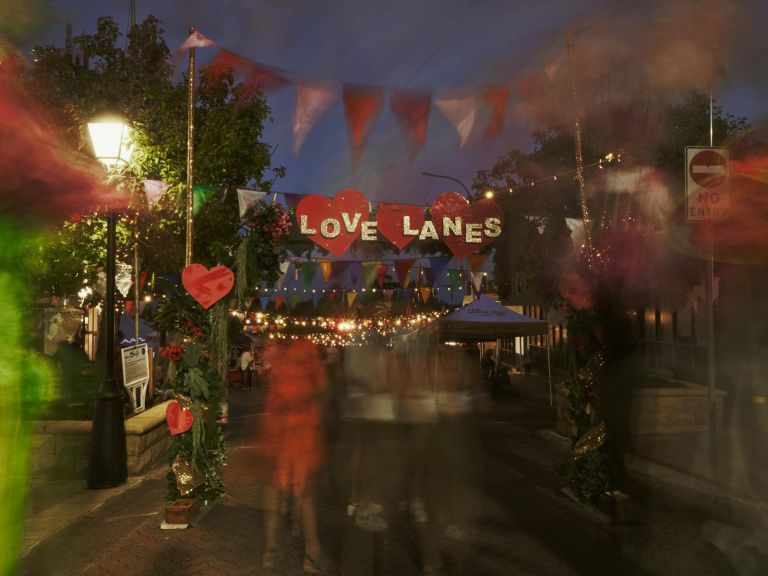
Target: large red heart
<point x="179" y="420"/>
<point x="207" y="286"/>
<point x="452" y="205"/>
<point x="390" y="222"/>
<point x="314" y="210"/>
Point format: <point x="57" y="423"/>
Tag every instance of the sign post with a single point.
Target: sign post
<point x="135" y="360"/>
<point x="707" y="197"/>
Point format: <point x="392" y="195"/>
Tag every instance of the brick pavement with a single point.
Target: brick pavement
<point x="516" y="519"/>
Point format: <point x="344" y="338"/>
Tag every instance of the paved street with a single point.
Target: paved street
<point x="513" y="517"/>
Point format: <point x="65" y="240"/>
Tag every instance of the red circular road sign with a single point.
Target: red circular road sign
<point x="708" y="169"/>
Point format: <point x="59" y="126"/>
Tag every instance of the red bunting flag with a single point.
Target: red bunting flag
<point x="255" y="74"/>
<point x="476" y="261"/>
<point x="497" y="98"/>
<point x="403" y="267"/>
<point x="362" y="105"/>
<point x="411" y="108"/>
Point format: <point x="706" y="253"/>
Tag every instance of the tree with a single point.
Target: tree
<point x="93" y="75"/>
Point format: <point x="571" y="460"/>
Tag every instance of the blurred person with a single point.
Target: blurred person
<point x="247" y="368"/>
<point x="370" y="406"/>
<point x="291" y="427"/>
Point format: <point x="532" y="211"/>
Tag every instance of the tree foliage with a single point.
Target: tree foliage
<point x="95" y="75"/>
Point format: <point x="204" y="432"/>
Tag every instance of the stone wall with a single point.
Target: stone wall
<point x="674" y="409"/>
<point x="61" y="448"/>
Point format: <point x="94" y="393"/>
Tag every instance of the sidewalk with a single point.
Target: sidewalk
<point x="512" y="511"/>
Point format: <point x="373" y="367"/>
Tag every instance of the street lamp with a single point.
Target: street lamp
<point x="107" y="466"/>
<point x="433" y="175"/>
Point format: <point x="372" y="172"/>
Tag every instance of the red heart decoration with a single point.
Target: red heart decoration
<point x="179" y="420"/>
<point x="207" y="286"/>
<point x="451" y="205"/>
<point x="390" y="222"/>
<point x="316" y="209"/>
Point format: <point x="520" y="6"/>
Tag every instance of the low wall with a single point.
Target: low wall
<point x="675" y="409"/>
<point x="61" y="448"/>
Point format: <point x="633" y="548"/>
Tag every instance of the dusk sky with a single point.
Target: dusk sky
<point x="624" y="49"/>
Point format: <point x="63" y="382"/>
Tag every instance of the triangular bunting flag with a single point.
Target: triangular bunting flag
<point x="425" y="292"/>
<point x="354" y="273"/>
<point x="292" y="200"/>
<point x="370" y="271"/>
<point x="388" y="294"/>
<point x="438" y="264"/>
<point x="461" y="112"/>
<point x="279" y="302"/>
<point x="254" y="73"/>
<point x="477" y="281"/>
<point x="196" y="40"/>
<point x="245" y="198"/>
<point x="476" y="261"/>
<point x="381" y="274"/>
<point x="293" y="300"/>
<point x="201" y="195"/>
<point x="264" y="301"/>
<point x="454" y="277"/>
<point x="312" y="101"/>
<point x="362" y="105"/>
<point x="154" y="189"/>
<point x="316" y="299"/>
<point x="308" y="273"/>
<point x="338" y="269"/>
<point x="411" y="108"/>
<point x="429" y="276"/>
<point x="326" y="268"/>
<point x="351" y="298"/>
<point x="497" y="99"/>
<point x="403" y="267"/>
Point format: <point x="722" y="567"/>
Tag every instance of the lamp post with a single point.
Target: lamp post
<point x="107" y="466"/>
<point x="433" y="175"/>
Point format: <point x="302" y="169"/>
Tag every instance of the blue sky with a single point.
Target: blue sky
<point x="647" y="46"/>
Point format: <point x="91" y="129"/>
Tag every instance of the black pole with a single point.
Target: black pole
<point x="433" y="175"/>
<point x="108" y="462"/>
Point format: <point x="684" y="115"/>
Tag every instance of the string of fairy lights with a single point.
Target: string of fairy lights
<point x="332" y="332"/>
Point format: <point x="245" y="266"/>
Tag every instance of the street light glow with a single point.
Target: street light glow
<point x="111" y="141"/>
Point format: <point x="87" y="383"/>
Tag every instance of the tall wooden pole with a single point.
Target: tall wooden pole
<point x="585" y="214"/>
<point x="190" y="152"/>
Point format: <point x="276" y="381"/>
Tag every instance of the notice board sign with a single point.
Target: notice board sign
<point x="135" y="361"/>
<point x="707" y="194"/>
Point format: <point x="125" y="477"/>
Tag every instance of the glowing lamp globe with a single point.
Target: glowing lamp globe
<point x="111" y="141"/>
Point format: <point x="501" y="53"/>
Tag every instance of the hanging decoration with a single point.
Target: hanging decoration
<point x="394" y="219"/>
<point x="403" y="268"/>
<point x="336" y="224"/>
<point x="326" y="267"/>
<point x="207" y="286"/>
<point x="465" y="227"/>
<point x="179" y="419"/>
<point x="461" y="112"/>
<point x="362" y="105"/>
<point x="154" y="190"/>
<point x="312" y="102"/>
<point x="497" y="100"/>
<point x="411" y="108"/>
<point x="246" y="198"/>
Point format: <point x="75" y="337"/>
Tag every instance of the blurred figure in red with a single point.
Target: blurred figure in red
<point x="291" y="427"/>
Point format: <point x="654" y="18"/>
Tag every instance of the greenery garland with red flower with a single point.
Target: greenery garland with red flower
<point x="195" y="375"/>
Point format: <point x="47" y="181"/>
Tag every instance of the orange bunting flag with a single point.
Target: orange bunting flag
<point x="351" y="298"/>
<point x="362" y="105"/>
<point x="411" y="108"/>
<point x="497" y="99"/>
<point x="461" y="112"/>
<point x="425" y="292"/>
<point x="476" y="261"/>
<point x="326" y="268"/>
<point x="312" y="101"/>
<point x="279" y="302"/>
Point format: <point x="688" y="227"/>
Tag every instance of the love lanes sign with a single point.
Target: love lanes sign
<point x="464" y="227"/>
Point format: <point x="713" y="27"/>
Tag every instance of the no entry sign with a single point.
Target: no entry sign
<point x="706" y="183"/>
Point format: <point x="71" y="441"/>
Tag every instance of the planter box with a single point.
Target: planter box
<point x="61" y="448"/>
<point x="182" y="511"/>
<point x="681" y="407"/>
